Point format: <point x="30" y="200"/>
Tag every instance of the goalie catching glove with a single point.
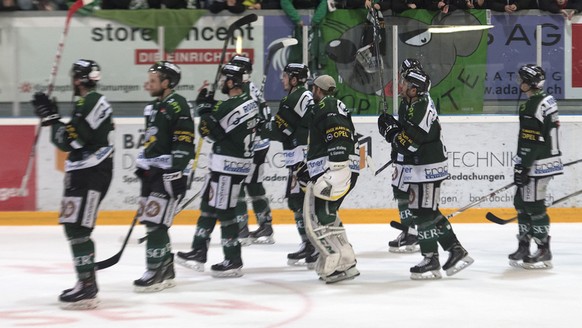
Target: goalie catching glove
<point x="388" y="126"/>
<point x="334" y="183"/>
<point x="46" y="109"/>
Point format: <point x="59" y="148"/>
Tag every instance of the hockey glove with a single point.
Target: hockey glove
<point x="205" y="102"/>
<point x="46" y="109"/>
<point x="520" y="175"/>
<point x="388" y="126"/>
<point x="302" y="174"/>
<point x="264" y="112"/>
<point x="175" y="183"/>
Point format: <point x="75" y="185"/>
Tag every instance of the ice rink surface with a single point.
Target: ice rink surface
<point x="35" y="265"/>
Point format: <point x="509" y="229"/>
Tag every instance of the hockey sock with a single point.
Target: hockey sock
<point x="241" y="209"/>
<point x="427" y="231"/>
<point x="230" y="243"/>
<point x="524" y="223"/>
<point x="204" y="228"/>
<point x="260" y="201"/>
<point x="83" y="250"/>
<point x="403" y="210"/>
<point x="447" y="238"/>
<point x="157" y="246"/>
<point x="540" y="225"/>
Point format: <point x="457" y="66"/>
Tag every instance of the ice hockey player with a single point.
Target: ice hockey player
<point x="405" y="242"/>
<point x="230" y="125"/>
<point x="254" y="182"/>
<point x="164" y="166"/>
<point x="88" y="173"/>
<point x="331" y="150"/>
<point x="418" y="143"/>
<point x="290" y="127"/>
<point x="537" y="161"/>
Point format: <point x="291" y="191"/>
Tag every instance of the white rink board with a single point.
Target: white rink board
<point x="480" y="152"/>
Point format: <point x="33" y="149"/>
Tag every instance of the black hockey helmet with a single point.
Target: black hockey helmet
<point x="233" y="73"/>
<point x="532" y="75"/>
<point x="244" y="62"/>
<point x="168" y="71"/>
<point x="300" y="71"/>
<point x="86" y="70"/>
<point x="410" y="63"/>
<point x="418" y="79"/>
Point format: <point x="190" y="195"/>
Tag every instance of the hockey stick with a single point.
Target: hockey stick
<point x="115" y="258"/>
<point x="53" y="76"/>
<point x="479" y="200"/>
<point x="272" y="51"/>
<point x="495" y="219"/>
<point x="229" y="33"/>
<point x="379" y="62"/>
<point x="383" y="167"/>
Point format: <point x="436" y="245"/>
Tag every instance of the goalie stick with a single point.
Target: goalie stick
<point x="383" y="167"/>
<point x="229" y="33"/>
<point x="400" y="226"/>
<point x="495" y="219"/>
<point x="53" y="76"/>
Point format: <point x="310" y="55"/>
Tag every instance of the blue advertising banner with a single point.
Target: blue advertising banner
<point x="512" y="43"/>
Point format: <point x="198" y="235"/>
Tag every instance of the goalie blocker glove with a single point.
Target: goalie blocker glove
<point x="46" y="109"/>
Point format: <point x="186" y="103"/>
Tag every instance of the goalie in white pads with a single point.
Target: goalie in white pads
<point x="418" y="142"/>
<point x="330" y="151"/>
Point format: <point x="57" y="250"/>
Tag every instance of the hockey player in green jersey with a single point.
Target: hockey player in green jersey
<point x="290" y="127"/>
<point x="231" y="126"/>
<point x="333" y="168"/>
<point x="254" y="182"/>
<point x="164" y="166"/>
<point x="88" y="173"/>
<point x="537" y="161"/>
<point x="417" y="139"/>
<point x="405" y="242"/>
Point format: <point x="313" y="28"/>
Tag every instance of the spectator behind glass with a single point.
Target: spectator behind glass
<point x="511" y="6"/>
<point x="381" y="5"/>
<point x="398" y="6"/>
<point x="448" y="6"/>
<point x="566" y="7"/>
<point x="234" y="6"/>
<point x="143" y="4"/>
<point x="47" y="5"/>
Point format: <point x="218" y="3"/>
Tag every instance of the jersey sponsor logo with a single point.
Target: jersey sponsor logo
<point x="237" y="167"/>
<point x="436" y="172"/>
<point x="67" y="209"/>
<point x="548" y="167"/>
<point x="152" y="208"/>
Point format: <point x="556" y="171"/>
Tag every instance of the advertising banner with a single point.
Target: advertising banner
<point x="480" y="160"/>
<point x="512" y="44"/>
<point x="15" y="147"/>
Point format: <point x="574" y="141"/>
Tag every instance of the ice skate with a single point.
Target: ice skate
<point x="311" y="259"/>
<point x="516" y="258"/>
<point x="227" y="269"/>
<point x="155" y="280"/>
<point x="298" y="258"/>
<point x="244" y="236"/>
<point x="427" y="269"/>
<point x="541" y="259"/>
<point x="263" y="235"/>
<point x="193" y="259"/>
<point x="404" y="243"/>
<point x="458" y="260"/>
<point x="338" y="276"/>
<point x="81" y="297"/>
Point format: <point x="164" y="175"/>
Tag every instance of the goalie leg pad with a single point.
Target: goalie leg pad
<point x="333" y="184"/>
<point x="335" y="252"/>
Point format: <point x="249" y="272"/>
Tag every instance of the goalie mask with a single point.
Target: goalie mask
<point x="168" y="71"/>
<point x="231" y="73"/>
<point x="87" y="72"/>
<point x="245" y="63"/>
<point x="532" y="75"/>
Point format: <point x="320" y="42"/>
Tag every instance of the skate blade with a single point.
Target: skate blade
<point x="264" y="240"/>
<point x="515" y="264"/>
<point x="459" y="266"/>
<point x="196" y="266"/>
<point x="542" y="265"/>
<point x="310" y="265"/>
<point x="245" y="241"/>
<point x="234" y="273"/>
<point x="429" y="275"/>
<point x="89" y="304"/>
<point x="408" y="249"/>
<point x="298" y="262"/>
<point x="349" y="274"/>
<point x="155" y="287"/>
